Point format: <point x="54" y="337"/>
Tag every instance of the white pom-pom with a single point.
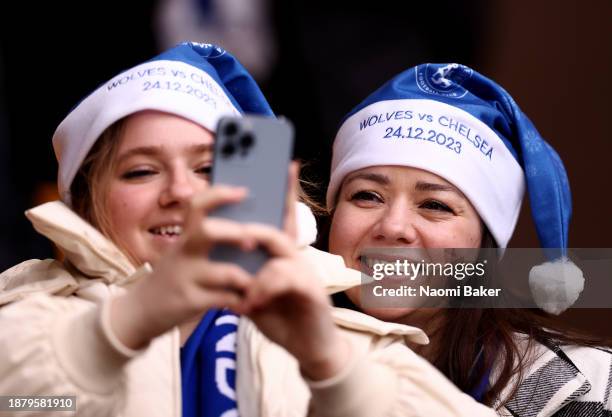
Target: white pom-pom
<point x="306" y="225"/>
<point x="556" y="285"/>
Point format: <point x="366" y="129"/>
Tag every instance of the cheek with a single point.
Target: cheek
<point x="459" y="235"/>
<point x="119" y="201"/>
<point x="472" y="232"/>
<point x="336" y="235"/>
<point x="126" y="205"/>
<point x="348" y="228"/>
<point x="475" y="239"/>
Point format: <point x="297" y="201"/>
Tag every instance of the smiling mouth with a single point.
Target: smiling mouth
<point x="167" y="231"/>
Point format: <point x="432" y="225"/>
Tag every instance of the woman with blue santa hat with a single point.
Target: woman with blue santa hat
<point x="132" y="156"/>
<point x="439" y="157"/>
<point x="136" y="320"/>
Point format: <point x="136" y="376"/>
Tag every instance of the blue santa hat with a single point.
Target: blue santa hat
<point x="198" y="81"/>
<point x="450" y="120"/>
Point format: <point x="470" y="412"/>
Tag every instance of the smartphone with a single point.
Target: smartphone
<point x="252" y="152"/>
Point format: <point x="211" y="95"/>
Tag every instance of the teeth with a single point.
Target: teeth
<point x="172" y="230"/>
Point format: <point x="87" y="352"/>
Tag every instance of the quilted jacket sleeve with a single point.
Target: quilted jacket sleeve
<point x="61" y="346"/>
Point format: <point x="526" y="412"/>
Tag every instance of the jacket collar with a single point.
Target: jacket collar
<point x="84" y="247"/>
<point x="553" y="381"/>
<point x="331" y="270"/>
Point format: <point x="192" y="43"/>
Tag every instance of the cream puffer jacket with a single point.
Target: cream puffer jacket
<point x="55" y="339"/>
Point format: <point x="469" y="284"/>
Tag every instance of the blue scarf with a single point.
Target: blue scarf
<point x="482" y="387"/>
<point x="208" y="367"/>
<point x="479" y="390"/>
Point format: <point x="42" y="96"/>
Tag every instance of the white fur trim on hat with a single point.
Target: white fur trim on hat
<point x="163" y="85"/>
<point x="306" y="225"/>
<point x="441" y="139"/>
<point x="555" y="286"/>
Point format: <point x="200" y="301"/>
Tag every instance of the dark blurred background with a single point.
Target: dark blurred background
<point x="315" y="60"/>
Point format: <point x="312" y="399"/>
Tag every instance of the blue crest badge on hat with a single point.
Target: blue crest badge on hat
<point x="445" y="80"/>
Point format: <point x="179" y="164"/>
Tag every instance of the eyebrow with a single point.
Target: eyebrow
<point x="431" y="186"/>
<point x="369" y="176"/>
<point x="420" y="185"/>
<point x="157" y="150"/>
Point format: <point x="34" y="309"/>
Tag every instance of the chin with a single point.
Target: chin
<point x="143" y="254"/>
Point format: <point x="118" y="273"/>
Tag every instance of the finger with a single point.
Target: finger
<point x="215" y="231"/>
<point x="225" y="275"/>
<point x="275" y="241"/>
<point x="212" y="198"/>
<point x="266" y="287"/>
<point x="290" y="204"/>
<point x="274" y="280"/>
<point x="224" y="299"/>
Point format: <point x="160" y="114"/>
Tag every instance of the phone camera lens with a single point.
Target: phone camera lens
<point x="228" y="149"/>
<point x="230" y="129"/>
<point x="246" y="141"/>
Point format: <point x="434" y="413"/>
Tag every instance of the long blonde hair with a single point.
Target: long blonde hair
<point x="90" y="186"/>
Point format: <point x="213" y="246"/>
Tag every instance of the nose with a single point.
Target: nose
<point x="179" y="189"/>
<point x="397" y="225"/>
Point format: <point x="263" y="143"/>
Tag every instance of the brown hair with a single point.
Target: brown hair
<point x="90" y="185"/>
<point x="479" y="340"/>
<point x="491" y="334"/>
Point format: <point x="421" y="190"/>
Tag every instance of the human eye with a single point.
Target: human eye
<point x="204" y="170"/>
<point x="138" y="173"/>
<point x="436" y="205"/>
<point x="366" y="196"/>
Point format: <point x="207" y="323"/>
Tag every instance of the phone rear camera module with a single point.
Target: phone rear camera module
<point x="230" y="129"/>
<point x="246" y="141"/>
<point x="228" y="150"/>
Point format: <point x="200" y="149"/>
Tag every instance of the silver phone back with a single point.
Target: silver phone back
<point x="253" y="152"/>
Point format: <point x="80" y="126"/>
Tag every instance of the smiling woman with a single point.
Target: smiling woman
<point x="439" y="158"/>
<point x="134" y="159"/>
<point x="387" y="206"/>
